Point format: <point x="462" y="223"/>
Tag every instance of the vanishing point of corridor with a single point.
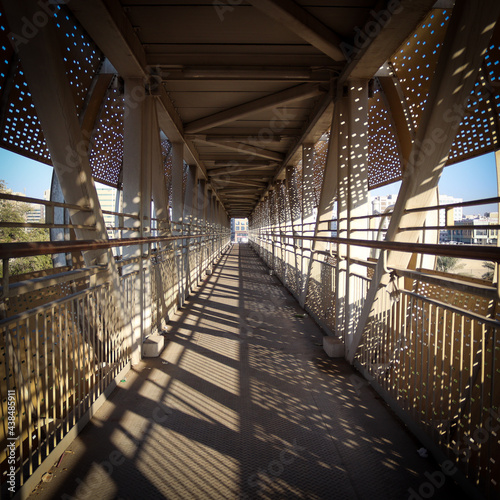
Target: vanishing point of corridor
<point x="242" y="403"/>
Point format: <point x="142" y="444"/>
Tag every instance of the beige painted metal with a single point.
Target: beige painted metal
<point x="451" y="86"/>
<point x="308" y="212"/>
<point x="302" y="23"/>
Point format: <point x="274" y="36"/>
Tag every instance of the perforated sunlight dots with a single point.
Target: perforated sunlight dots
<point x="415" y="61"/>
<point x="478" y="132"/>
<point x="22" y="131"/>
<point x="107" y="152"/>
<point x="383" y="157"/>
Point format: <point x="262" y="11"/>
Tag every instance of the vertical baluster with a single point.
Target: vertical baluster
<point x="21" y="406"/>
<point x="53" y="336"/>
<point x="29" y="412"/>
<point x="46" y="379"/>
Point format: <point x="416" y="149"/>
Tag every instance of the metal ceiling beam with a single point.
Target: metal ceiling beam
<point x="247" y="149"/>
<point x="243" y="177"/>
<point x="297" y="93"/>
<point x="394" y="23"/>
<point x="246" y="73"/>
<point x="232" y="138"/>
<point x="301" y="22"/>
<point x="232" y="170"/>
<point x="109" y="27"/>
<point x="261" y="184"/>
<point x="249" y="163"/>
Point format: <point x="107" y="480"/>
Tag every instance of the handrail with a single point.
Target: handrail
<point x="14" y="250"/>
<point x="464" y="312"/>
<point x="52" y="279"/>
<point x="47" y="203"/>
<point x="471" y="203"/>
<point x="470" y="251"/>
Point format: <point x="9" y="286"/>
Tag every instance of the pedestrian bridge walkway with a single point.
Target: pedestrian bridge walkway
<point x="243" y="403"/>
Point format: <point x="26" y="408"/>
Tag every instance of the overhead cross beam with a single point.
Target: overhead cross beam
<point x="233" y="138"/>
<point x="246" y="148"/>
<point x="301" y="22"/>
<point x="108" y="26"/>
<point x="393" y="24"/>
<point x="228" y="73"/>
<point x="297" y="93"/>
<point x="232" y="170"/>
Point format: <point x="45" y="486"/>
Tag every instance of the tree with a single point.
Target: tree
<point x="488" y="275"/>
<point x="15" y="211"/>
<point x="446" y="264"/>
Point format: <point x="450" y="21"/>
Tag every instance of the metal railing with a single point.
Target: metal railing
<point x="430" y="345"/>
<point x="64" y="344"/>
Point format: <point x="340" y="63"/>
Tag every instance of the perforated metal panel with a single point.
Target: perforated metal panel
<point x="320" y="153"/>
<point x="107" y="150"/>
<point x="21" y="130"/>
<point x="383" y="156"/>
<point x="414" y="63"/>
<point x="478" y="133"/>
<point x="166" y="149"/>
<point x="81" y="56"/>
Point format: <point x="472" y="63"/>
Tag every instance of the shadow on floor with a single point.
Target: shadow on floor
<point x="242" y="403"/>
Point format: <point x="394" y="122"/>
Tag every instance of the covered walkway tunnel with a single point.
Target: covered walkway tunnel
<point x="334" y="355"/>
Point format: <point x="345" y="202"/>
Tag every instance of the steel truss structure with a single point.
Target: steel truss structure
<point x="286" y="113"/>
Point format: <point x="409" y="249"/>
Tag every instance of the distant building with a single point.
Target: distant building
<point x="457" y="211"/>
<point x="445" y="235"/>
<point x="381" y="203"/>
<point x="107" y="199"/>
<point x="239" y="230"/>
<point x="468" y="233"/>
<point x="36" y="214"/>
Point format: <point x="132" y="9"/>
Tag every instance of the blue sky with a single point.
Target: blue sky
<point x="472" y="179"/>
<point x="469" y="180"/>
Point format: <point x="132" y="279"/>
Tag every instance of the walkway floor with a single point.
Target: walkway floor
<point x="243" y="403"/>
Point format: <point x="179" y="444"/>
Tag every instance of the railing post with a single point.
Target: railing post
<point x="468" y="34"/>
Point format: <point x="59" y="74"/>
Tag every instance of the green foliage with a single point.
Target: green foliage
<point x="446" y="264"/>
<point x="15" y="211"/>
<point x="488" y="275"/>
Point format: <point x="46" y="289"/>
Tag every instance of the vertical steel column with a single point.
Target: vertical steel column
<point x="177" y="213"/>
<point x="467" y="36"/>
<point x="188" y="212"/>
<point x="137" y="186"/>
<point x="308" y="216"/>
<point x="358" y="199"/>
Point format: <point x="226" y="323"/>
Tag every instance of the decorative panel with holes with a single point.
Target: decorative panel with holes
<point x="20" y="129"/>
<point x="479" y="129"/>
<point x="320" y="154"/>
<point x="82" y="58"/>
<point x="383" y="155"/>
<point x="415" y="61"/>
<point x="107" y="143"/>
<point x="166" y="149"/>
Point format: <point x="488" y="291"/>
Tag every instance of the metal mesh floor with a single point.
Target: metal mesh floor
<point x="243" y="403"/>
